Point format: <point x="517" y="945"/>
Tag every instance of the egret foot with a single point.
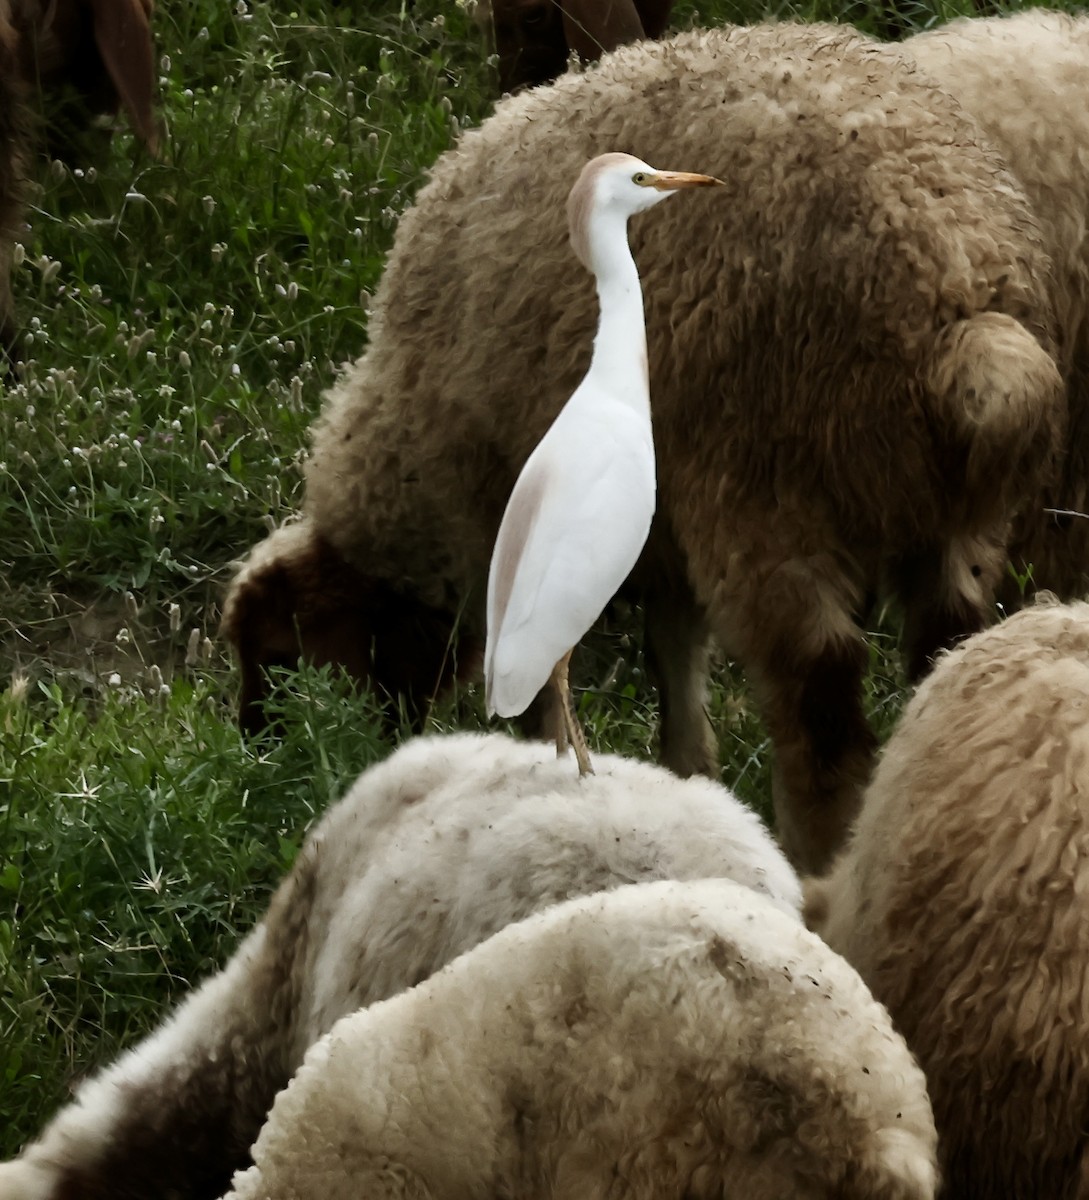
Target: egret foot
<point x="569" y="728"/>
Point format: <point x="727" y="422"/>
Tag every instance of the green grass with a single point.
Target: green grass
<point x="182" y="317"/>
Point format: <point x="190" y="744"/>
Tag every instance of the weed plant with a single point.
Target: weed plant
<point x="182" y="316"/>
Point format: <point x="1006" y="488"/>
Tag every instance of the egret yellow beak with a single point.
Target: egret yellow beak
<point x="668" y="181"/>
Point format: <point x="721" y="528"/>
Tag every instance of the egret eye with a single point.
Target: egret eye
<point x="641" y="178"/>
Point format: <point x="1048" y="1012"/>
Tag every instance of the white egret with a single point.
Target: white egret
<point x="580" y="511"/>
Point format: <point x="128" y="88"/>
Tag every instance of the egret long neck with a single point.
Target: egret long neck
<point x="619" y="362"/>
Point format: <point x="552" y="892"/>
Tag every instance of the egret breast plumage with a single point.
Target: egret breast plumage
<point x="581" y="509"/>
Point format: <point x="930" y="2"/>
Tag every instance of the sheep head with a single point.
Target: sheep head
<point x="296" y="597"/>
<point x="101" y="49"/>
<point x="533" y="38"/>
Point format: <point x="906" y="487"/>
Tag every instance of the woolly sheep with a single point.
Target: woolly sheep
<point x="961" y="900"/>
<point x="100" y="48"/>
<point x="850" y="383"/>
<point x="664" y="1039"/>
<point x="1025" y="77"/>
<point x="429" y="853"/>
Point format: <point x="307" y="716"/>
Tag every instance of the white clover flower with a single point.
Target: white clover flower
<point x="114" y="680"/>
<point x="175" y="611"/>
<point x="192" y="648"/>
<point x="18" y="254"/>
<point x="184" y="361"/>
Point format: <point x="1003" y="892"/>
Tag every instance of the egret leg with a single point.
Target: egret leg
<point x="569" y="727"/>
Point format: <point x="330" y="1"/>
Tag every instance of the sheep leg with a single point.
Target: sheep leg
<point x="823" y="745"/>
<point x="570" y="725"/>
<point x="947" y="593"/>
<point x="543" y="720"/>
<point x="676" y="646"/>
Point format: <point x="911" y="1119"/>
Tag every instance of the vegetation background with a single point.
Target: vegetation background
<point x="182" y="317"/>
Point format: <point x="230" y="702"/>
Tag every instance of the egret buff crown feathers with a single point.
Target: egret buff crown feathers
<point x="581" y="509"/>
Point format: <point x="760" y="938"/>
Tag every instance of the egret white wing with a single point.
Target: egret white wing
<point x="574" y="528"/>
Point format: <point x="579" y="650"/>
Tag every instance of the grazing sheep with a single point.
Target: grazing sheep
<point x="102" y="49"/>
<point x="534" y="38"/>
<point x="446" y="842"/>
<point x="851" y="390"/>
<point x="962" y="901"/>
<point x="1025" y="77"/>
<point x="666" y="1039"/>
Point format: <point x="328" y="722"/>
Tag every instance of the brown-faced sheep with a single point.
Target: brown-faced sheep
<point x="534" y="38"/>
<point x="963" y="901"/>
<point x="851" y="389"/>
<point x="1025" y="77"/>
<point x="102" y="51"/>
<point x="446" y="842"/>
<point x="665" y="1039"/>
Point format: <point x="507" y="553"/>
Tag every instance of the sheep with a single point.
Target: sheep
<point x="449" y="840"/>
<point x="1025" y="77"/>
<point x="661" y="1039"/>
<point x="534" y="38"/>
<point x="102" y="49"/>
<point x="852" y="389"/>
<point x="961" y="901"/>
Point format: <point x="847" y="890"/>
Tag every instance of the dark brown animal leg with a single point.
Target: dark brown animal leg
<point x="676" y="647"/>
<point x="824" y="747"/>
<point x="947" y="594"/>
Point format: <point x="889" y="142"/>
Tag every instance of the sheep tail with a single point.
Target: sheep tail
<point x="1001" y="396"/>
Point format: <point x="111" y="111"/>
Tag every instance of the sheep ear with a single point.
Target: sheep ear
<point x="594" y="26"/>
<point x="655" y="16"/>
<point x="123" y="37"/>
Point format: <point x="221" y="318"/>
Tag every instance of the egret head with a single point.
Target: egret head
<point x="622" y="185"/>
